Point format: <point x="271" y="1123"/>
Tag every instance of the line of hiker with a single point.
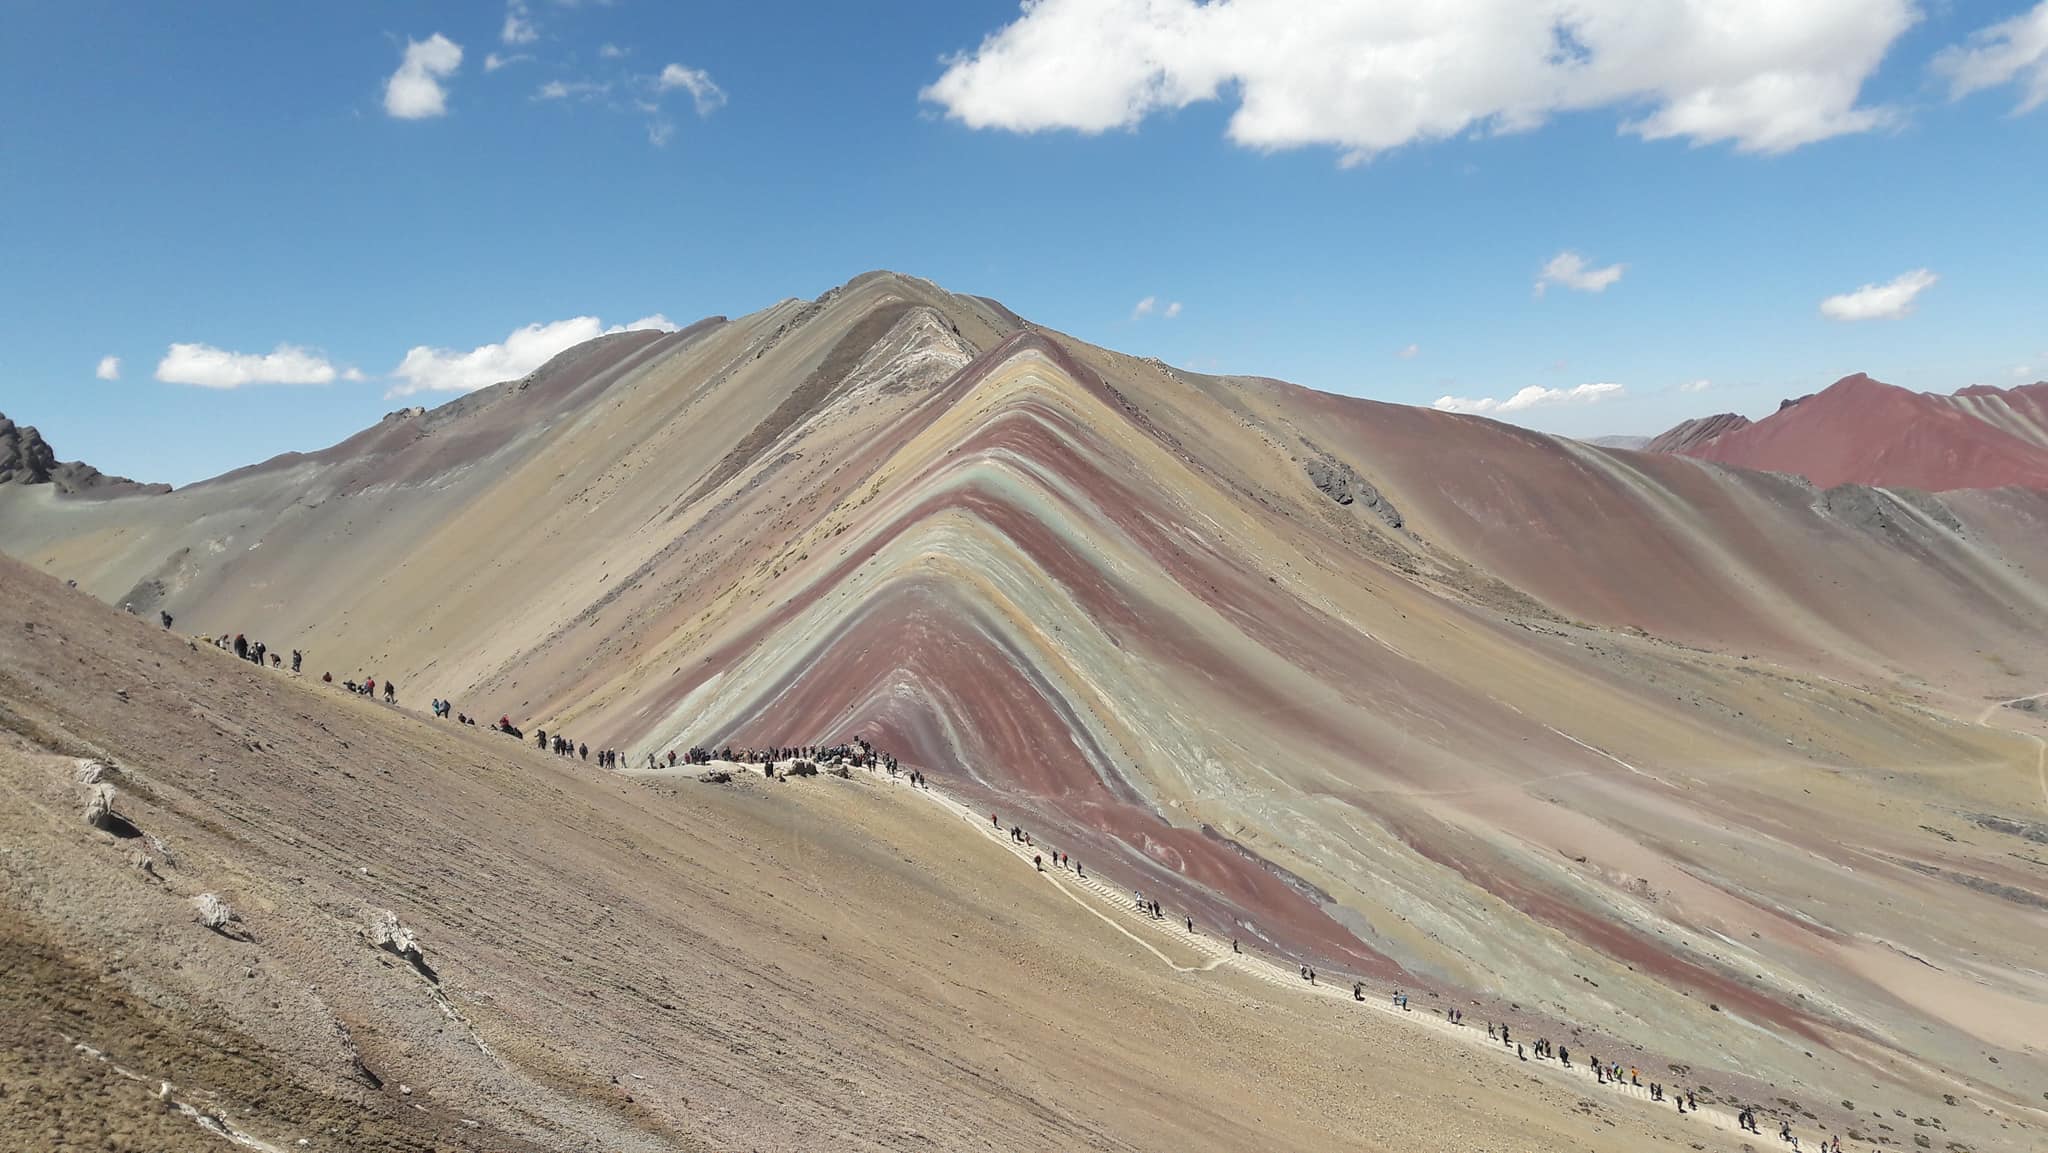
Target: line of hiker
<point x="1685" y="1101"/>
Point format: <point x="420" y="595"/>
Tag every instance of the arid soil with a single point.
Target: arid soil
<point x="1687" y="757"/>
<point x="653" y="964"/>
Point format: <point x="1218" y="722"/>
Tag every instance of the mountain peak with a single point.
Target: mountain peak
<point x="26" y="458"/>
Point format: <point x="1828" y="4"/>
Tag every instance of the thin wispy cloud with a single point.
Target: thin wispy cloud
<point x="1410" y="352"/>
<point x="705" y="93"/>
<point x="1888" y="301"/>
<point x="571" y="89"/>
<point x="1569" y="270"/>
<point x="518" y="27"/>
<point x="2013" y="52"/>
<point x="1534" y="396"/>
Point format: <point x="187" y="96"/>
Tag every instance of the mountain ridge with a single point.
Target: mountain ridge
<point x="1452" y="729"/>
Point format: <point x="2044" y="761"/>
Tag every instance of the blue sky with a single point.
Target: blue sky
<point x="233" y="176"/>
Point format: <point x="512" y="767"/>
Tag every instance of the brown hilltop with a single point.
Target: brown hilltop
<point x="1411" y="695"/>
<point x="1863" y="431"/>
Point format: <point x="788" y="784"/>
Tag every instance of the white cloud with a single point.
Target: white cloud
<point x="1888" y="301"/>
<point x="1153" y="306"/>
<point x="1145" y="307"/>
<point x="1172" y="310"/>
<point x="1410" y="352"/>
<point x="519" y="27"/>
<point x="353" y="375"/>
<point x="493" y="61"/>
<point x="704" y="93"/>
<point x="1765" y="74"/>
<point x="2015" y="51"/>
<point x="1533" y="396"/>
<point x="427" y="369"/>
<point x="1571" y="270"/>
<point x="660" y="130"/>
<point x="109" y="368"/>
<point x="611" y="51"/>
<point x="564" y="89"/>
<point x="414" y="92"/>
<point x="209" y="367"/>
<point x="1700" y="385"/>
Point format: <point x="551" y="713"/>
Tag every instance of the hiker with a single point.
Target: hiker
<point x="327" y="678"/>
<point x="390" y="693"/>
<point x="1233" y="946"/>
<point x="165" y="616"/>
<point x="241" y="647"/>
<point x="1520" y="1054"/>
<point x="1191" y="924"/>
<point x="297" y="656"/>
<point x="1038" y="862"/>
<point x="1358" y="990"/>
<point x="1564" y="1056"/>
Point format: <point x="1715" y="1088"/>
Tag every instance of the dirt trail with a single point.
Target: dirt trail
<point x="2040" y="743"/>
<point x="1273" y="973"/>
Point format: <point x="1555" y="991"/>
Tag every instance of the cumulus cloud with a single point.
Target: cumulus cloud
<point x="1533" y="396"/>
<point x="1766" y="75"/>
<point x="109" y="368"/>
<point x="1570" y="270"/>
<point x="1410" y="352"/>
<point x="1888" y="301"/>
<point x="1700" y="385"/>
<point x="208" y="367"/>
<point x="2012" y="52"/>
<point x="519" y="27"/>
<point x="414" y="92"/>
<point x="1172" y="310"/>
<point x="1153" y="306"/>
<point x="611" y="51"/>
<point x="428" y="369"/>
<point x="704" y="93"/>
<point x="1145" y="307"/>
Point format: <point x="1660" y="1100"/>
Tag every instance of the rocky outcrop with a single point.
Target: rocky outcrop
<point x="1341" y="483"/>
<point x="384" y="932"/>
<point x="26" y="458"/>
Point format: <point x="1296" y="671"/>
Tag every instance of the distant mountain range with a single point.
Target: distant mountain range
<point x="1863" y="431"/>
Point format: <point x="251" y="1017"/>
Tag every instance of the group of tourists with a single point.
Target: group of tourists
<point x="860" y="753"/>
<point x="255" y="652"/>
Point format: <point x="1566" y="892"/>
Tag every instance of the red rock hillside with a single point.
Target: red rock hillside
<point x="1863" y="431"/>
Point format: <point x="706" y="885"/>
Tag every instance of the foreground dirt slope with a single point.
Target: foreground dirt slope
<point x="1639" y="743"/>
<point x="829" y="964"/>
